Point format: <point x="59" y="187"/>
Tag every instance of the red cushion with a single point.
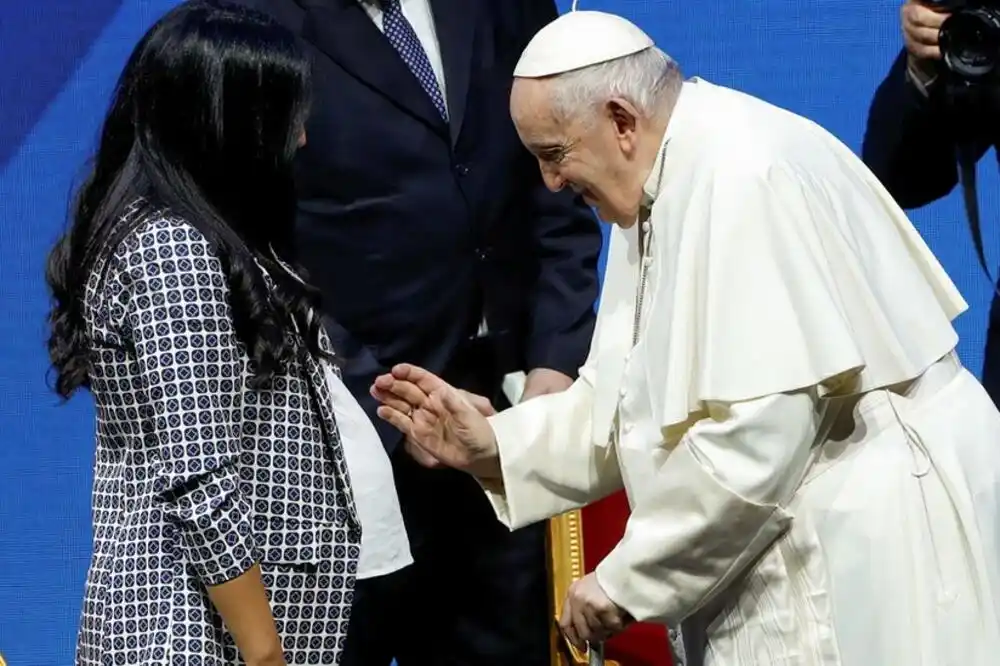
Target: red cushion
<point x="641" y="644"/>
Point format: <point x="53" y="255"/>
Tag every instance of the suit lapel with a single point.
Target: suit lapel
<point x="455" y="23"/>
<point x="343" y="31"/>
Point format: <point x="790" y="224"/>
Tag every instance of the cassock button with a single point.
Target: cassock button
<point x="647" y="261"/>
<point x="646" y="226"/>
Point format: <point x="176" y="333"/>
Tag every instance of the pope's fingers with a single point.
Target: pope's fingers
<point x="581" y="627"/>
<point x="390" y="399"/>
<point x="383" y="381"/>
<point x="426" y="380"/>
<point x="408" y="392"/>
<point x="395" y="418"/>
<point x="595" y="623"/>
<point x="567" y="627"/>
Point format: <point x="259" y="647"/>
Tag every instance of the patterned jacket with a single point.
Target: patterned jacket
<point x="197" y="476"/>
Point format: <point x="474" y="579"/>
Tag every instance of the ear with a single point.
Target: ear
<point x="624" y="115"/>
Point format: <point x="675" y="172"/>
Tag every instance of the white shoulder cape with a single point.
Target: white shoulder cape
<point x="778" y="262"/>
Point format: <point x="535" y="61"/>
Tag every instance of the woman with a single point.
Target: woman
<point x="225" y="530"/>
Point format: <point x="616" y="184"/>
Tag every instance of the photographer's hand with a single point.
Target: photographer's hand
<point x="921" y="26"/>
<point x="921" y="23"/>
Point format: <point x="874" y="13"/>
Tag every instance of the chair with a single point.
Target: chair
<point x="578" y="540"/>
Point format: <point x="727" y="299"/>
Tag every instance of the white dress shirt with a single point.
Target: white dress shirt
<point x="384" y="545"/>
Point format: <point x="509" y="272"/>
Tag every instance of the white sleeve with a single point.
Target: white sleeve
<point x="547" y="457"/>
<point x="718" y="502"/>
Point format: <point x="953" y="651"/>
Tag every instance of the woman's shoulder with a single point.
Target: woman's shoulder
<point x="159" y="242"/>
<point x="157" y="233"/>
<point x="154" y="251"/>
<point x="157" y="259"/>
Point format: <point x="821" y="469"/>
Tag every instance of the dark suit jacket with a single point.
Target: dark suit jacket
<point x="413" y="228"/>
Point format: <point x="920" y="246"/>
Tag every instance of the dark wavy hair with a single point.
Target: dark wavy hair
<point x="203" y="125"/>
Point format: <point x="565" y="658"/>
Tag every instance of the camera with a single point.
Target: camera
<point x="970" y="40"/>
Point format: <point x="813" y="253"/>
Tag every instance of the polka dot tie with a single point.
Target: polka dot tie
<point x="400" y="34"/>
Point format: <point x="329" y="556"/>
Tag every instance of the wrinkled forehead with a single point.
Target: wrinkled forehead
<point x="532" y="112"/>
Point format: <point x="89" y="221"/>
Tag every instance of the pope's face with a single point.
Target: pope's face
<point x="592" y="154"/>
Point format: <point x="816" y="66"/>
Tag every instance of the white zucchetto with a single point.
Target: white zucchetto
<point x="579" y="39"/>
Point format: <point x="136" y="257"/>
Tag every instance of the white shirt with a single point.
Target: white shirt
<point x="384" y="545"/>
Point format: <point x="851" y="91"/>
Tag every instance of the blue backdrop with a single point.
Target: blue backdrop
<point x="58" y="62"/>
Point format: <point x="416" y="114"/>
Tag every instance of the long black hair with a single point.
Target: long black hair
<point x="204" y="125"/>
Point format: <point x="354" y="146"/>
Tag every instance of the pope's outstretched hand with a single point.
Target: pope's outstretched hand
<point x="443" y="425"/>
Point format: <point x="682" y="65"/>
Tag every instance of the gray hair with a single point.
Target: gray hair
<point x="649" y="79"/>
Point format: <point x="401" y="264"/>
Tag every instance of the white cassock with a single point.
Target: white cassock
<point x="813" y="475"/>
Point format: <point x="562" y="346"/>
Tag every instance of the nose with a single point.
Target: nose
<point x="551" y="178"/>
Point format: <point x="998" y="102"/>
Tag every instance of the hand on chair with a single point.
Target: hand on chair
<point x="589" y="615"/>
<point x="443" y="425"/>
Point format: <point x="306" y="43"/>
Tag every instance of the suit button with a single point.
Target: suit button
<point x="482" y="254"/>
<point x="462" y="170"/>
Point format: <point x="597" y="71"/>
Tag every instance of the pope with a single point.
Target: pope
<point x="814" y="477"/>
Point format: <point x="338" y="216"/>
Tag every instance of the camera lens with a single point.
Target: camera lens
<point x="970" y="42"/>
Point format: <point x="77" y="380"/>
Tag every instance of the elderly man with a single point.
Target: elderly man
<point x="814" y="478"/>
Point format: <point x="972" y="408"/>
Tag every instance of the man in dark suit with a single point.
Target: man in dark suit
<point x="912" y="136"/>
<point x="430" y="232"/>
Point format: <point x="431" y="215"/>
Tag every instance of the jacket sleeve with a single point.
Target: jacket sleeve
<point x="189" y="381"/>
<point x="567" y="244"/>
<point x="714" y="504"/>
<point x="910" y="139"/>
